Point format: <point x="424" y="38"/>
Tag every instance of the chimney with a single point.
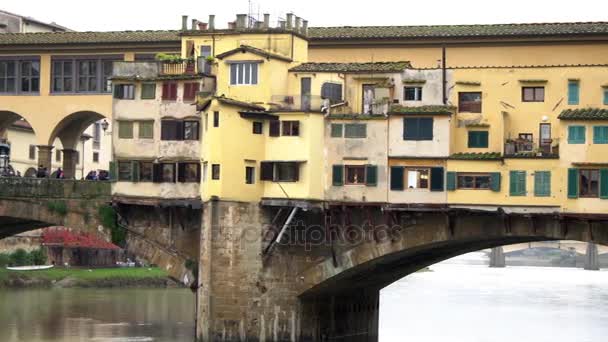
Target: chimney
<point x="184" y="22"/>
<point x="282" y="24"/>
<point x="202" y="26"/>
<point x="298" y="20"/>
<point x="266" y="20"/>
<point x="240" y="21"/>
<point x="289" y="21"/>
<point x="305" y="27"/>
<point x="212" y="21"/>
<point x="194" y="21"/>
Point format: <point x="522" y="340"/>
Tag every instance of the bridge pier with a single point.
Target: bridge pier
<point x="69" y="163"/>
<point x="497" y="257"/>
<point x="592" y="262"/>
<point x="45" y="157"/>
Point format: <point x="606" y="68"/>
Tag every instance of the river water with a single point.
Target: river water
<point x="452" y="303"/>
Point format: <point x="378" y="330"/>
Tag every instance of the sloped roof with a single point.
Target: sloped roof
<point x="430" y="110"/>
<point x="380" y="67"/>
<point x="584" y="114"/>
<point x="458" y="31"/>
<point x="114" y="37"/>
<point x="476" y="156"/>
<point x="255" y="51"/>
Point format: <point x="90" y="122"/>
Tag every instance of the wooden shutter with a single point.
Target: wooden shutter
<point x="295" y="128"/>
<point x="576" y="134"/>
<point x="542" y="183"/>
<point x="410" y="129"/>
<point x="198" y="172"/>
<point x="425" y="126"/>
<point x="135" y="171"/>
<point x="397" y="177"/>
<point x="604" y="183"/>
<point x="337" y="175"/>
<point x="371" y="175"/>
<point x="266" y="171"/>
<point x="179" y="130"/>
<point x="181" y="172"/>
<point x="165" y="94"/>
<point x="157" y="173"/>
<point x="517" y="183"/>
<point x="495" y="181"/>
<point x="451" y="181"/>
<point x="113" y="171"/>
<point x="572" y="183"/>
<point x="600" y="134"/>
<point x="437" y="179"/>
<point x="296" y="171"/>
<point x="573" y="92"/>
<point x="275" y="128"/>
<point x="336" y="130"/>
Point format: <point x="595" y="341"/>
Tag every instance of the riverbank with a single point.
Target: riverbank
<point x="150" y="277"/>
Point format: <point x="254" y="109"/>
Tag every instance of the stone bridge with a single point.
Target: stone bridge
<point x="320" y="281"/>
<point x="31" y="203"/>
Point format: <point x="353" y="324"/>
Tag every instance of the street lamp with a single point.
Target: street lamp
<point x="105" y="125"/>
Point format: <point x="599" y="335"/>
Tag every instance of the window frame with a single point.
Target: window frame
<point x="336" y="130"/>
<point x="572" y="140"/>
<point x="120" y="131"/>
<point x="195" y="130"/>
<point x="241" y="77"/>
<point x="103" y="71"/>
<point x="353" y="130"/>
<point x="169" y="91"/>
<point x="19" y="76"/>
<point x="215" y="171"/>
<point x="360" y="169"/>
<point x="417" y="93"/>
<point x="475" y="175"/>
<point x="140" y="124"/>
<point x="143" y="95"/>
<point x="257" y="127"/>
<point x="478" y="142"/>
<point x="124" y="91"/>
<point x="295" y="172"/>
<point x="95" y="157"/>
<point x="535" y="94"/>
<point x="143" y="165"/>
<point x="589" y="181"/>
<point x="127" y="171"/>
<point x="190" y="89"/>
<point x="416" y="123"/>
<point x="330" y="91"/>
<point x="249" y="174"/>
<point x="470" y="106"/>
<point x="574" y="92"/>
<point x="597" y="137"/>
<point x="406" y="172"/>
<point x="290" y="128"/>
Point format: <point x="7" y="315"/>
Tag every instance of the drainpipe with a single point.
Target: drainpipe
<point x="443" y="76"/>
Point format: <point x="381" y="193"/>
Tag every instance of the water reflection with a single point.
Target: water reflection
<point x="97" y="315"/>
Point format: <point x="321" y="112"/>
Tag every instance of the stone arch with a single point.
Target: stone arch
<point x="7" y="118"/>
<point x="70" y="128"/>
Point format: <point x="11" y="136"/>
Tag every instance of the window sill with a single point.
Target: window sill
<point x="79" y="94"/>
<point x="21" y="94"/>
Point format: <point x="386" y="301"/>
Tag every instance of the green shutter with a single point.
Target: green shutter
<point x="437" y="179"/>
<point x="338" y="175"/>
<point x="542" y="183"/>
<point x="113" y="171"/>
<point x="336" y="130"/>
<point x="135" y="171"/>
<point x="604" y="183"/>
<point x="495" y="181"/>
<point x="600" y="134"/>
<point x="576" y="134"/>
<point x="517" y="183"/>
<point x="606" y="96"/>
<point x="573" y="92"/>
<point x="451" y="181"/>
<point x="478" y="139"/>
<point x="371" y="175"/>
<point x="572" y="183"/>
<point x="397" y="177"/>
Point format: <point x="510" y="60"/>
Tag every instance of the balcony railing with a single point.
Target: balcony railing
<point x="149" y="69"/>
<point x="526" y="148"/>
<point x="180" y="68"/>
<point x="298" y="103"/>
<point x="377" y="107"/>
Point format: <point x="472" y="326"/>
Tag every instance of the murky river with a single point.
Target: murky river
<point x="453" y="303"/>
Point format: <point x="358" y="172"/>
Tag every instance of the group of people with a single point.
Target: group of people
<point x="42" y="172"/>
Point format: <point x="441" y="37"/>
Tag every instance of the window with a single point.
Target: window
<point x="573" y="92"/>
<point x="97" y="135"/>
<point x="355" y="131"/>
<point x="517" y="183"/>
<point x="533" y="94"/>
<point x="146" y="171"/>
<point x="189" y="172"/>
<point x="30" y="76"/>
<point x="257" y="127"/>
<point x="600" y="134"/>
<point x="106" y="84"/>
<point x="87" y="80"/>
<point x="469" y="102"/>
<point x="63" y="73"/>
<point x="589" y="181"/>
<point x="412" y="93"/>
<point x="125" y="170"/>
<point x="215" y="171"/>
<point x="249" y="174"/>
<point x="125" y="129"/>
<point x="275" y="128"/>
<point x="19" y="76"/>
<point x="32" y="152"/>
<point x="216" y="119"/>
<point x="417" y="178"/>
<point x="190" y="90"/>
<point x="280" y="171"/>
<point x="57" y="156"/>
<point x="171" y="130"/>
<point x="478" y="139"/>
<point x="244" y="73"/>
<point x="169" y="91"/>
<point x="291" y="128"/>
<point x="167" y="172"/>
<point x="606" y="95"/>
<point x="124" y="91"/>
<point x="336" y="130"/>
<point x="95" y="157"/>
<point x="355" y="174"/>
<point x="542" y="183"/>
<point x="332" y="92"/>
<point x="148" y="91"/>
<point x="576" y="134"/>
<point x="191" y="130"/>
<point x="418" y="129"/>
<point x="146" y="129"/>
<point x="473" y="181"/>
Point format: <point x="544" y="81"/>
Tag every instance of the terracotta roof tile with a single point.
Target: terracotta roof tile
<point x="436" y="110"/>
<point x="387" y="67"/>
<point x="584" y="114"/>
<point x="115" y="37"/>
<point x="254" y="50"/>
<point x="476" y="156"/>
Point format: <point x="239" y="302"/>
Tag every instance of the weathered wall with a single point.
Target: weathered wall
<point x="438" y="147"/>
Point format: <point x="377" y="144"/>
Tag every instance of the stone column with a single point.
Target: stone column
<point x="497" y="257"/>
<point x="592" y="262"/>
<point x="69" y="163"/>
<point x="45" y="156"/>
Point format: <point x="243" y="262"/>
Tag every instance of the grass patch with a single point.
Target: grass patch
<point x="86" y="274"/>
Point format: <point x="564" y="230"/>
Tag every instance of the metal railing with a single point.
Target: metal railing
<point x="527" y="148"/>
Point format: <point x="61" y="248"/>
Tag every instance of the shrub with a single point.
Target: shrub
<point x="20" y="258"/>
<point x="108" y="219"/>
<point x="38" y="256"/>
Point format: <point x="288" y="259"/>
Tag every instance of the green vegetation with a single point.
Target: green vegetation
<point x="108" y="219"/>
<point x="22" y="258"/>
<point x="170" y="58"/>
<point x="58" y="207"/>
<point x="192" y="266"/>
<point x="90" y="274"/>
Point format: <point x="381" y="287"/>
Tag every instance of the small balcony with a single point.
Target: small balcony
<point x="376" y="107"/>
<point x="173" y="67"/>
<point x="523" y="148"/>
<point x="298" y="103"/>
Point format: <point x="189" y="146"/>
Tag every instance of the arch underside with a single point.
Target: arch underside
<point x="10" y="226"/>
<point x="70" y="129"/>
